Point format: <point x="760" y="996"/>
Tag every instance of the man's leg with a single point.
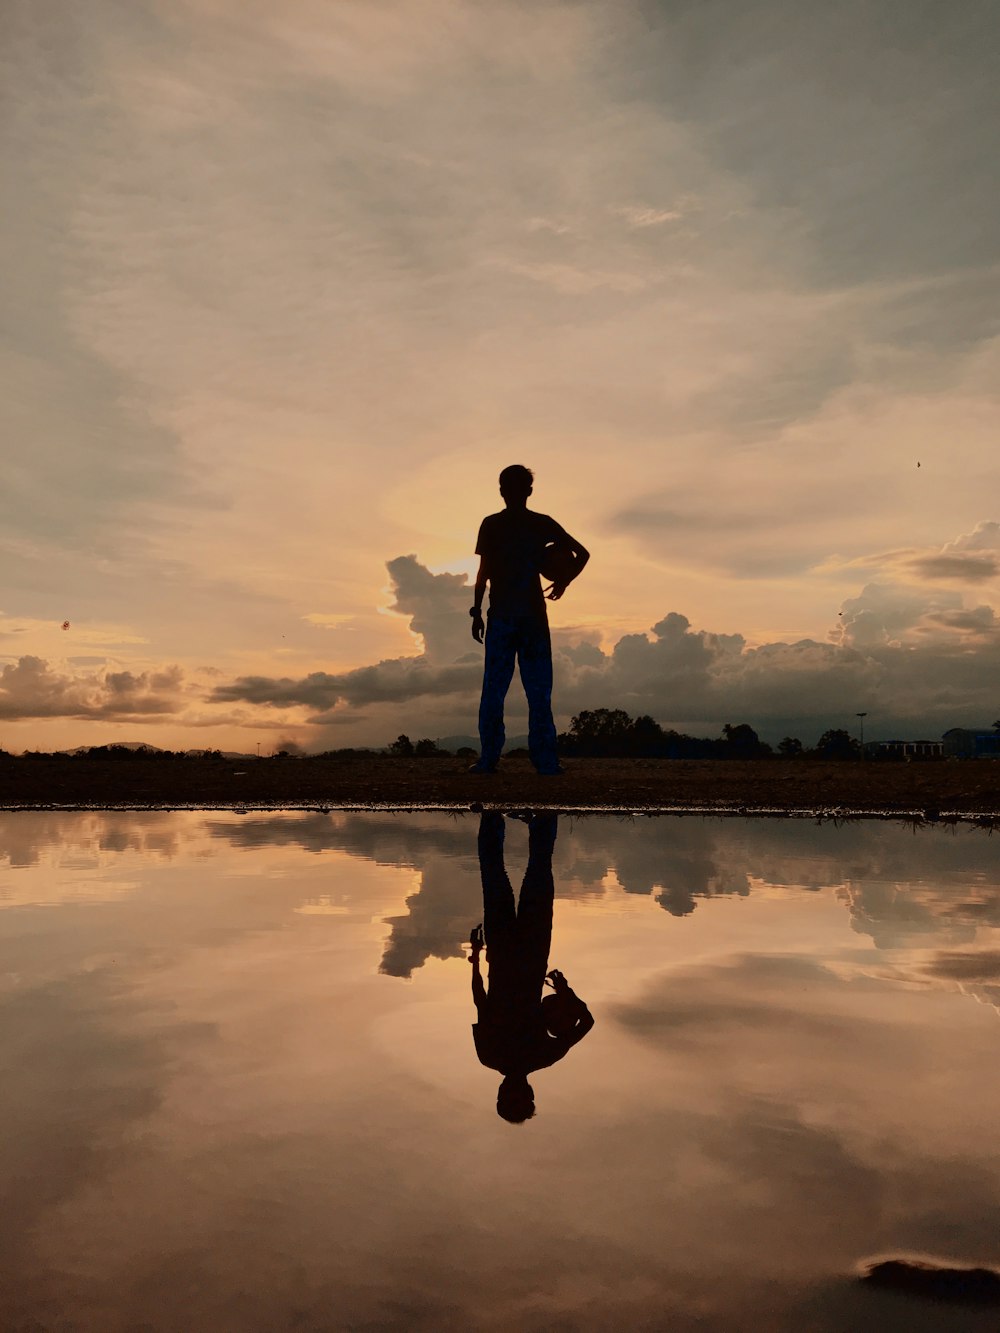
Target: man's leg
<point x="499" y="912"/>
<point x="534" y="907"/>
<point x="535" y="660"/>
<point x="497" y="675"/>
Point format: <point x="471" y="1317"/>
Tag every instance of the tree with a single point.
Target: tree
<point x="790" y="747"/>
<point x="426" y="749"/>
<point x="600" y="732"/>
<point x="402" y="747"/>
<point x="648" y="738"/>
<point x="837" y="744"/>
<point x="742" y="742"/>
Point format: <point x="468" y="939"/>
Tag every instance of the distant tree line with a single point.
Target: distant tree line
<point x="121" y="752"/>
<point x="608" y="733"/>
<point x="403" y="748"/>
<point x="126" y="753"/>
<point x="611" y="733"/>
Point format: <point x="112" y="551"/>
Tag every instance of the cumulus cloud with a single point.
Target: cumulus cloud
<point x="985" y="536"/>
<point x="973" y="557"/>
<point x="915" y="657"/>
<point x="32" y="688"/>
<point x="436" y="605"/>
<point x="436" y="922"/>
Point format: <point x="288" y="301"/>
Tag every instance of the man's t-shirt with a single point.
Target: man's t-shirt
<point x="512" y="544"/>
<point x="510" y="1050"/>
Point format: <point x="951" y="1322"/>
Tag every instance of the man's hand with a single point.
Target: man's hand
<point x="555" y="590"/>
<point x="476" y="939"/>
<point x="478" y="627"/>
<point x="556" y="980"/>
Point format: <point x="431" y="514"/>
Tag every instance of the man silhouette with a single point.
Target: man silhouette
<point x="519" y="1031"/>
<point x="512" y="547"/>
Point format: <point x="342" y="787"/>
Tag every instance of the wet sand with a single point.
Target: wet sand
<point x="930" y="789"/>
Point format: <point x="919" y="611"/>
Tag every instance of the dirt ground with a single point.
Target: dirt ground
<point x="930" y="789"/>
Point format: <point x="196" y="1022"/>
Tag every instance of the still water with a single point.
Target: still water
<point x="241" y="1087"/>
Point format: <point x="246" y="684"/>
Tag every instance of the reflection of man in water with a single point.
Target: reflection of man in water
<point x="518" y="1031"/>
<point x="511" y="549"/>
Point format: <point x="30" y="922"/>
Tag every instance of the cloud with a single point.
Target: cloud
<point x="69" y="1142"/>
<point x="961" y="568"/>
<point x="769" y="1141"/>
<point x="975" y="971"/>
<point x="437" y="606"/>
<point x="900" y="889"/>
<point x="915" y="657"/>
<point x="891" y="656"/>
<point x="746" y="528"/>
<point x="639" y="216"/>
<point x="983" y="965"/>
<point x="854" y="119"/>
<point x="884" y="614"/>
<point x="985" y="536"/>
<point x="572" y="280"/>
<point x="702" y="1003"/>
<point x="973" y="557"/>
<point x="390" y="243"/>
<point x="399" y="680"/>
<point x="155" y="834"/>
<point x="31" y="688"/>
<point x="436" y="922"/>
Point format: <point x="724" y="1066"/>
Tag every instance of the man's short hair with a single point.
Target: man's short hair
<point x="517" y="477"/>
<point x="515" y="1101"/>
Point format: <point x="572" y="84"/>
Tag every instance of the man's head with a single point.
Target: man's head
<point x="516" y="483"/>
<point x="515" y="1099"/>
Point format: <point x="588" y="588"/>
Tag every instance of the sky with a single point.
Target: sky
<point x="287" y="285"/>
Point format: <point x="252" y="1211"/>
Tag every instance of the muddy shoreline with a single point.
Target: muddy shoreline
<point x="931" y="791"/>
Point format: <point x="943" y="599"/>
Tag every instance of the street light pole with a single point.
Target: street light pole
<point x="861" y="717"/>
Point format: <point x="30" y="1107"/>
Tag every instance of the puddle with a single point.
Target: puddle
<point x="242" y="1090"/>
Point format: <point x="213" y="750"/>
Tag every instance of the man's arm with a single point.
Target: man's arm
<point x="556" y="1047"/>
<point x="584" y="1023"/>
<point x="478" y="987"/>
<point x="570" y="999"/>
<point x="581" y="554"/>
<point x="482" y="578"/>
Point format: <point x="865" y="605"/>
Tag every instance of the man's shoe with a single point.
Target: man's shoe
<point x="480" y="767"/>
<point x="551" y="772"/>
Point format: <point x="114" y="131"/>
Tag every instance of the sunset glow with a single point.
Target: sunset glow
<point x="291" y="283"/>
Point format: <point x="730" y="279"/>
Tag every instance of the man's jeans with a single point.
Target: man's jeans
<point x="527" y="639"/>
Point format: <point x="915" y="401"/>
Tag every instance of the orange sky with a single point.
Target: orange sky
<point x="295" y="282"/>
